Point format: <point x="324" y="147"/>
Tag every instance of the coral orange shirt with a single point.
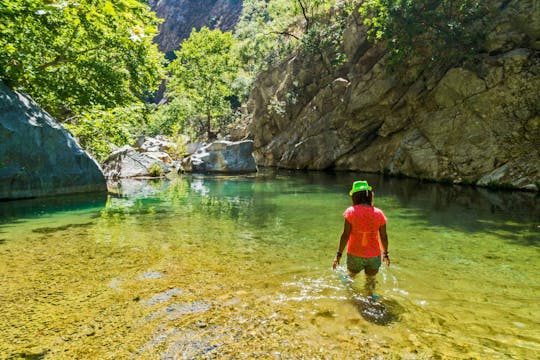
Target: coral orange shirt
<point x="365" y="223"/>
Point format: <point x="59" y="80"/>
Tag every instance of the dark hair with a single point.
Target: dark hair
<point x="363" y="197"/>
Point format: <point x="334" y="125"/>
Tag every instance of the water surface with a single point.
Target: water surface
<point x="240" y="267"/>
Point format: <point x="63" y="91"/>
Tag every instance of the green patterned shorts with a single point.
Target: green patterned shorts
<point x="357" y="263"/>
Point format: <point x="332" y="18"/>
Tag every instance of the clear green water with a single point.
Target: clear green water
<point x="240" y="267"/>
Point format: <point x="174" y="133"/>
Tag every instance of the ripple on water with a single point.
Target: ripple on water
<point x="310" y="289"/>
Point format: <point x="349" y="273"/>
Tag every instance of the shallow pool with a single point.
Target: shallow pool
<point x="240" y="267"/>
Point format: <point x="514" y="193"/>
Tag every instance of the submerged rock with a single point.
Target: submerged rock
<point x="222" y="157"/>
<point x="163" y="296"/>
<point x="38" y="157"/>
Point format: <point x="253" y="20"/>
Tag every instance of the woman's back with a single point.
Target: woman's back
<point x="365" y="222"/>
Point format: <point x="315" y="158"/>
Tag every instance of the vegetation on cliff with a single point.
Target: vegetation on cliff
<point x="439" y="32"/>
<point x="460" y="105"/>
<point x="269" y="31"/>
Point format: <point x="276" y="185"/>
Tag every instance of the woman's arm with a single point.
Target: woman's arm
<point x="342" y="242"/>
<point x="384" y="245"/>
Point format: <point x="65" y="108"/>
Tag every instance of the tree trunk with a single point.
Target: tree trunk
<point x="208" y="125"/>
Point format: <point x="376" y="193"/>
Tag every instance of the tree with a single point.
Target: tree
<point x="203" y="73"/>
<point x="268" y="31"/>
<point x="73" y="55"/>
<point x="97" y="129"/>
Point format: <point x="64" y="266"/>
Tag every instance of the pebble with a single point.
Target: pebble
<point x="201" y="324"/>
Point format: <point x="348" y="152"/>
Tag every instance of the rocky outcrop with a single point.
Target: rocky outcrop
<point x="150" y="144"/>
<point x="38" y="157"/>
<point x="158" y="148"/>
<point x="222" y="157"/>
<point x="126" y="162"/>
<point x="459" y="125"/>
<point x="181" y="16"/>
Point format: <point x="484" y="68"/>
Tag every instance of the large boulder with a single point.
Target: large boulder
<point x="126" y="162"/>
<point x="38" y="157"/>
<point x="222" y="157"/>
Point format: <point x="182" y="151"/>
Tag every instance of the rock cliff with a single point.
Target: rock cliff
<point x="38" y="157"/>
<point x="464" y="126"/>
<point x="181" y="16"/>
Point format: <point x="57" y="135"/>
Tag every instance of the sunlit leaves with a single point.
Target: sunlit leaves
<point x="73" y="55"/>
<point x="99" y="130"/>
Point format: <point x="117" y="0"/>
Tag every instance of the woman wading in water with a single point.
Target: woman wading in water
<point x="363" y="225"/>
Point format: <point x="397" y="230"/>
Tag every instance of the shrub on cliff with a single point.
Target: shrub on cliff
<point x="443" y="32"/>
<point x="268" y="31"/>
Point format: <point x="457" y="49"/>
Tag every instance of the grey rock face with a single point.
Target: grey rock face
<point x="222" y="157"/>
<point x="38" y="157"/>
<point x="459" y="125"/>
<point x="181" y="16"/>
<point x="126" y="162"/>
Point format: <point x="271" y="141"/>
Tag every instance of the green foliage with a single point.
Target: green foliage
<point x="177" y="114"/>
<point x="255" y="38"/>
<point x="441" y="32"/>
<point x="179" y="139"/>
<point x="201" y="82"/>
<point x="73" y="55"/>
<point x="325" y="39"/>
<point x="155" y="170"/>
<point x="100" y="130"/>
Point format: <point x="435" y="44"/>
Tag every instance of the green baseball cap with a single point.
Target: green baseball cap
<point x="361" y="185"/>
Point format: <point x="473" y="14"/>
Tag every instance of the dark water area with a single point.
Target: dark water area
<point x="32" y="208"/>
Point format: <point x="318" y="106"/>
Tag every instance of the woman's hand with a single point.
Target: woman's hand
<point x="336" y="262"/>
<point x="386" y="259"/>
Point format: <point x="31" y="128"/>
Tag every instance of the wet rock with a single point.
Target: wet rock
<point x="201" y="324"/>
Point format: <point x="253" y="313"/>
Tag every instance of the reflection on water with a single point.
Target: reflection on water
<point x="32" y="208"/>
<point x="239" y="267"/>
